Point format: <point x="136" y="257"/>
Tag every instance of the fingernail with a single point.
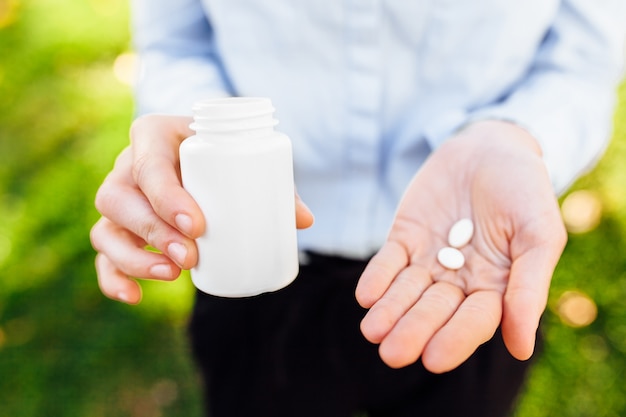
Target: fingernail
<point x="161" y="271"/>
<point x="178" y="252"/>
<point x="184" y="224"/>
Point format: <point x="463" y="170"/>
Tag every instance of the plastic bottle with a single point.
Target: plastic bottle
<point x="240" y="172"/>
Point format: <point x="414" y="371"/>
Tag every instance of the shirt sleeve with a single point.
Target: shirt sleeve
<point x="179" y="63"/>
<point x="566" y="100"/>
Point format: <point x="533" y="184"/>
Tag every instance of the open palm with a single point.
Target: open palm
<point x="492" y="173"/>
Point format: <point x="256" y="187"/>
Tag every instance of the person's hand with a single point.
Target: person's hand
<point x="144" y="205"/>
<point x="492" y="173"/>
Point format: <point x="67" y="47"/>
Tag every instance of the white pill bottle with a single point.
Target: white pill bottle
<point x="240" y="172"/>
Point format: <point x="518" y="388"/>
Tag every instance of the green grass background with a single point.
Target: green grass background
<point x="65" y="350"/>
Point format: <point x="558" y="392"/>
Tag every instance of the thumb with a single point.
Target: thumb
<point x="304" y="216"/>
<point x="527" y="294"/>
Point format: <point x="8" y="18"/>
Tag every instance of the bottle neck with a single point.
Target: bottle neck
<point x="233" y="117"/>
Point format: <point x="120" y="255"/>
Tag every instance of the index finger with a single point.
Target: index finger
<point x="381" y="270"/>
<point x="155" y="140"/>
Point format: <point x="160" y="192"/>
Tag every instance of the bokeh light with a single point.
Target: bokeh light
<point x="576" y="309"/>
<point x="125" y="68"/>
<point x="581" y="211"/>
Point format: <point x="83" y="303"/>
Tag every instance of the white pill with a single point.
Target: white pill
<point x="451" y="258"/>
<point x="461" y="233"/>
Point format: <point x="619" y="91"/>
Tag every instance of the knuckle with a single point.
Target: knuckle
<point x="103" y="278"/>
<point x="151" y="233"/>
<point x="108" y="192"/>
<point x="94" y="235"/>
<point x="161" y="204"/>
<point x="139" y="124"/>
<point x="104" y="197"/>
<point x="140" y="166"/>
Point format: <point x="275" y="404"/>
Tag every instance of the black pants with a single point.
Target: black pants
<point x="299" y="352"/>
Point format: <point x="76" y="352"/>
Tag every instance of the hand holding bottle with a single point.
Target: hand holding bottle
<point x="143" y="204"/>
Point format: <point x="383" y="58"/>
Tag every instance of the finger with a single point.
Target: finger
<point x="529" y="283"/>
<point x="114" y="283"/>
<point x="405" y="290"/>
<point x="380" y="272"/>
<point x="304" y="216"/>
<point x="155" y="141"/>
<point x="128" y="254"/>
<point x="524" y="302"/>
<point x="406" y="341"/>
<point x="127" y="207"/>
<point x="473" y="324"/>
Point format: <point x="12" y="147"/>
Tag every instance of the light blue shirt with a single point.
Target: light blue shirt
<point x="366" y="89"/>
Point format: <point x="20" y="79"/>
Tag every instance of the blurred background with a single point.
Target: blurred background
<point x="66" y="70"/>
